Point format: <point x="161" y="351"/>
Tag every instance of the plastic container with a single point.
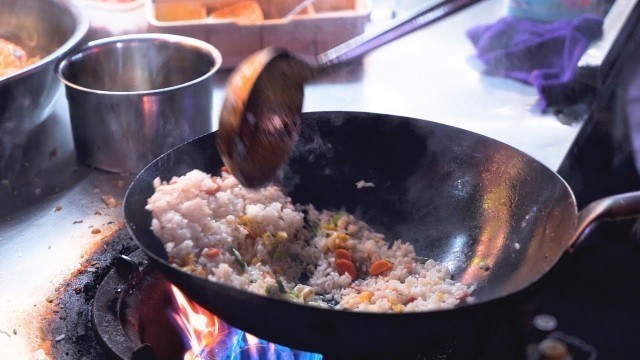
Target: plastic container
<point x="311" y="32"/>
<point x="551" y="10"/>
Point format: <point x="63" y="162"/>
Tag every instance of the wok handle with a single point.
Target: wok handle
<point x="429" y="12"/>
<point x="618" y="207"/>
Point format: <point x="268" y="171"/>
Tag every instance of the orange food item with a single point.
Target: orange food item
<point x="366" y="296"/>
<point x="343" y="254"/>
<point x="212" y="191"/>
<point x="13" y="58"/>
<point x="346" y="266"/>
<point x="180" y="11"/>
<point x="243" y="12"/>
<point x="211" y="253"/>
<point x="379" y="267"/>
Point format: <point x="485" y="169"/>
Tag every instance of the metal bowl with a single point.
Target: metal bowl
<point x="134" y="97"/>
<point x="48" y="29"/>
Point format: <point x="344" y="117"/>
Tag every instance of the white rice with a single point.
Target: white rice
<point x="260" y="241"/>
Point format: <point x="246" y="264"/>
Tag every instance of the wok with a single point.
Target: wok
<point x="460" y="198"/>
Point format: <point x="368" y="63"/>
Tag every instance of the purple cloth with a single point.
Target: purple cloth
<point x="544" y="54"/>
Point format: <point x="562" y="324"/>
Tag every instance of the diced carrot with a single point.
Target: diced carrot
<point x="225" y="169"/>
<point x="346" y="266"/>
<point x="211" y="253"/>
<point x="343" y="254"/>
<point x="212" y="191"/>
<point x="379" y="267"/>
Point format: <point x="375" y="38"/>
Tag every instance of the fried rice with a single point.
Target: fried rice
<point x="260" y="241"/>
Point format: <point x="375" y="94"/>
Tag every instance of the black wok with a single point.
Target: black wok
<point x="494" y="215"/>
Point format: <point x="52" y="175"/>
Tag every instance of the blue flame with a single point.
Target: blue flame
<point x="238" y="345"/>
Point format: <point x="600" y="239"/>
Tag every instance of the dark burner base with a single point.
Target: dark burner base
<point x="117" y="309"/>
<point x="93" y="306"/>
<point x="131" y="319"/>
<point x="73" y="308"/>
<point x="130" y="312"/>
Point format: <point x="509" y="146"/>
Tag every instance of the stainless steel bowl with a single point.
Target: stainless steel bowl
<point x="134" y="97"/>
<point x="46" y="28"/>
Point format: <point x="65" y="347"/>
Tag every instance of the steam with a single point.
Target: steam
<point x="308" y="150"/>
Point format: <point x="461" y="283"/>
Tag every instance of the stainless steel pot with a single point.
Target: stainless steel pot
<point x="46" y="28"/>
<point x="134" y="97"/>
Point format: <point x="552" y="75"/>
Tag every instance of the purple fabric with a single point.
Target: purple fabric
<point x="544" y="54"/>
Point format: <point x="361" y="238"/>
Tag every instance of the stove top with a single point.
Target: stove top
<point x="117" y="308"/>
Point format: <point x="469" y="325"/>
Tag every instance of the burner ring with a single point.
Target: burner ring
<point x="130" y="312"/>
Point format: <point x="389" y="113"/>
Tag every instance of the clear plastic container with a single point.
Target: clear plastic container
<point x="551" y="10"/>
<point x="114" y="17"/>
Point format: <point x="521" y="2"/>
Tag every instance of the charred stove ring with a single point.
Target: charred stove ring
<point x="106" y="308"/>
<point x="128" y="310"/>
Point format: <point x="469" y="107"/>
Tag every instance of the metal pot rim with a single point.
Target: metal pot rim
<point x="167" y="38"/>
<point x="81" y="28"/>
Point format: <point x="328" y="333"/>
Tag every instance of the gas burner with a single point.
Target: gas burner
<point x="134" y="306"/>
<point x="122" y="307"/>
<point x="134" y="313"/>
<point x="129" y="312"/>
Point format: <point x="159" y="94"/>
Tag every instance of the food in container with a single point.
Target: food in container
<point x="239" y="28"/>
<point x="47" y="29"/>
<point x="243" y="12"/>
<point x="260" y="241"/>
<point x="13" y="58"/>
<point x="180" y="11"/>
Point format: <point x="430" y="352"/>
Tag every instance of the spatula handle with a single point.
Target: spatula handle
<point x="427" y="13"/>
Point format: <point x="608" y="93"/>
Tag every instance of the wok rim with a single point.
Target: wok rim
<point x="165" y="266"/>
<point x="185" y="41"/>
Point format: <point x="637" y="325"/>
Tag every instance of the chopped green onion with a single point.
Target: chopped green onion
<point x="238" y="258"/>
<point x="294" y="294"/>
<point x="335" y="218"/>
